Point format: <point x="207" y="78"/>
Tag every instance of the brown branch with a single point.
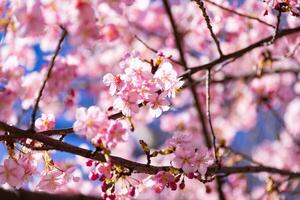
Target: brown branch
<point x="51" y="65"/>
<point x="238" y="13"/>
<point x="134" y="166"/>
<point x="241" y="52"/>
<point x="200" y="3"/>
<point x="208" y="115"/>
<point x="176" y="34"/>
<point x="64" y="131"/>
<point x="276" y="29"/>
<point x="249" y="76"/>
<point x="145" y="44"/>
<point x="190" y="79"/>
<point x="245" y="156"/>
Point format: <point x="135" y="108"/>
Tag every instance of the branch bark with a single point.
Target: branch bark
<point x="51" y="65"/>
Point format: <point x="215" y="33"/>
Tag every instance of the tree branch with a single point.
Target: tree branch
<point x="51" y="65"/>
<point x="209" y="26"/>
<point x="239" y="14"/>
<point x="241" y="52"/>
<point x="15" y="132"/>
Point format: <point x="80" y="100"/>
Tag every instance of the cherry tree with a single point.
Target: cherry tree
<point x="158" y="94"/>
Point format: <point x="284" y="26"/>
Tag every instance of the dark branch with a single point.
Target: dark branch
<point x="51" y="65"/>
<point x="134" y="166"/>
<point x="239" y="14"/>
<point x="209" y="26"/>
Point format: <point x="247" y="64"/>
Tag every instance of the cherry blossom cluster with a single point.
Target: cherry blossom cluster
<point x="291" y="6"/>
<point x="253" y="98"/>
<point x="94" y="125"/>
<point x="189" y="157"/>
<point x="145" y="83"/>
<point x="17" y="170"/>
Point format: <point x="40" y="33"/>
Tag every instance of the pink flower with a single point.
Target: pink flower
<point x="110" y="32"/>
<point x="158" y="104"/>
<point x="27" y="162"/>
<point x="68" y="174"/>
<point x="104" y="169"/>
<point x="115" y="133"/>
<point x="139" y="69"/>
<point x="114" y="82"/>
<point x="12" y="173"/>
<point x="51" y="181"/>
<point x="161" y="180"/>
<point x="166" y="74"/>
<point x="89" y="122"/>
<point x="184" y="159"/>
<point x="180" y="139"/>
<point x="174" y="88"/>
<point x="45" y="122"/>
<point x="30" y="18"/>
<point x="202" y="160"/>
<point x="128" y="103"/>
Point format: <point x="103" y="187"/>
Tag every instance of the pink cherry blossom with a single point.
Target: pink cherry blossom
<point x="12" y="173"/>
<point x="184" y="159"/>
<point x="161" y="179"/>
<point x="158" y="104"/>
<point x="45" y="122"/>
<point x="166" y="74"/>
<point x="116" y="133"/>
<point x="89" y="122"/>
<point x="51" y="181"/>
<point x="29" y="164"/>
<point x="127" y="103"/>
<point x="114" y="82"/>
<point x="202" y="160"/>
<point x="30" y="18"/>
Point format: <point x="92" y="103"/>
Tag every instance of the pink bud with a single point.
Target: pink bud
<point x="132" y="191"/>
<point x="93" y="176"/>
<point x="89" y="163"/>
<point x="182" y="185"/>
<point x="104" y="187"/>
<point x="112" y="197"/>
<point x="190" y="175"/>
<point x="173" y="186"/>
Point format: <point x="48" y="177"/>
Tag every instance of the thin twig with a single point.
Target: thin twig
<point x="154" y="50"/>
<point x="245" y="156"/>
<point x="201" y="116"/>
<point x="145" y="44"/>
<point x="208" y="115"/>
<point x="200" y="3"/>
<point x="239" y="14"/>
<point x="51" y="65"/>
<point x="245" y="77"/>
<point x="276" y="29"/>
<point x="241" y="52"/>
